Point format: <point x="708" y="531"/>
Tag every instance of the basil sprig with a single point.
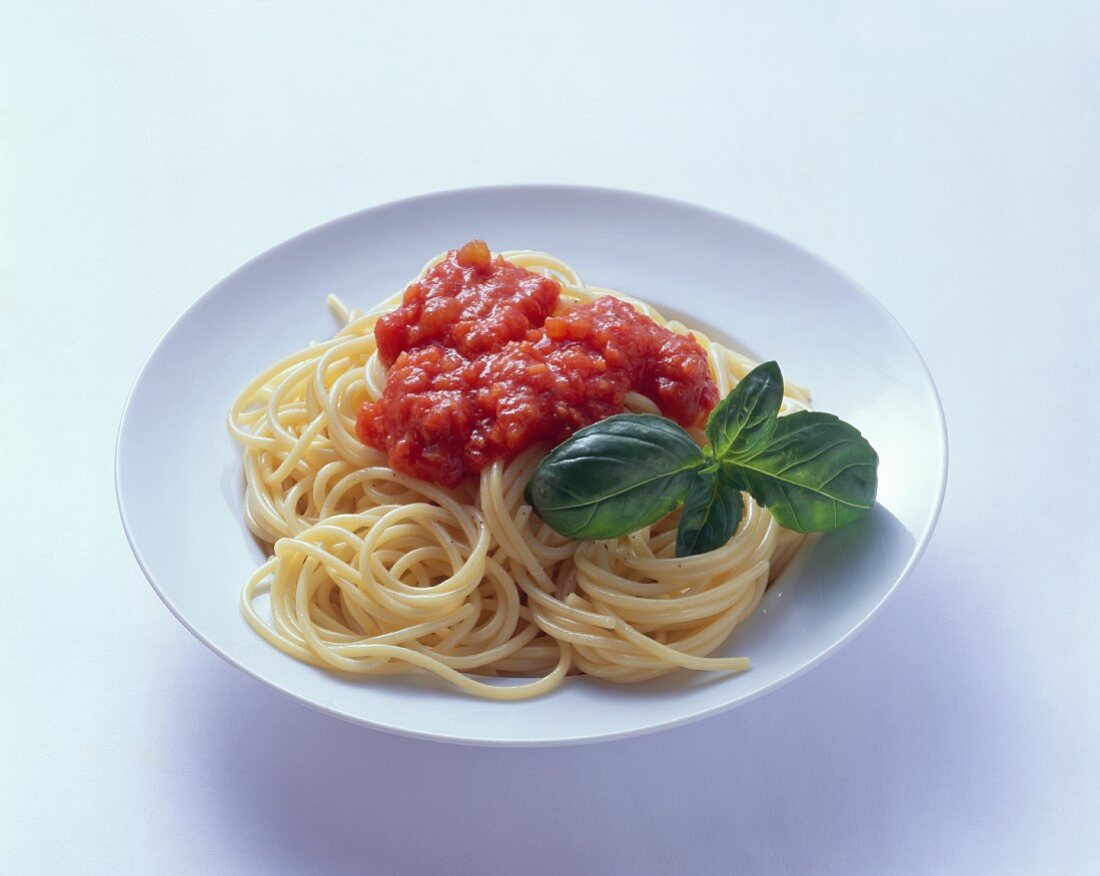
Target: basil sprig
<point x="813" y="471"/>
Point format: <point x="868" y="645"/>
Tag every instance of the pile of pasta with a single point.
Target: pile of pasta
<point x="374" y="572"/>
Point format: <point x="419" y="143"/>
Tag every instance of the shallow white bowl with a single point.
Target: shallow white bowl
<point x="179" y="481"/>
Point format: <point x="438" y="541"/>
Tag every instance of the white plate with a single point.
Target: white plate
<point x="179" y="482"/>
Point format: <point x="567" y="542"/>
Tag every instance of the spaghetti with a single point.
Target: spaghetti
<point x="376" y="572"/>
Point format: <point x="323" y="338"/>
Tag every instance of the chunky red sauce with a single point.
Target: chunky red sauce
<point x="480" y="370"/>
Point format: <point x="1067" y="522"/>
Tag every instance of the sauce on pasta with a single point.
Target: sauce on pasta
<point x="484" y="364"/>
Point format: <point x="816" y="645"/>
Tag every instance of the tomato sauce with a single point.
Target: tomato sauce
<point x="480" y="368"/>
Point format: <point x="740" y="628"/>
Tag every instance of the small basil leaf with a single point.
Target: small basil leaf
<point x="742" y="422"/>
<point x="712" y="512"/>
<point x="614" y="477"/>
<point x="817" y="474"/>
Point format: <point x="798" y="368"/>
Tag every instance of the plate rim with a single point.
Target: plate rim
<point x="921" y="544"/>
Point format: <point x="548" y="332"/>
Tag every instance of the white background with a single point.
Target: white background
<point x="943" y="154"/>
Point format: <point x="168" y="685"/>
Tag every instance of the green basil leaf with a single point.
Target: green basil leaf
<point x="712" y="512"/>
<point x="614" y="477"/>
<point x="742" y="423"/>
<point x="817" y="474"/>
